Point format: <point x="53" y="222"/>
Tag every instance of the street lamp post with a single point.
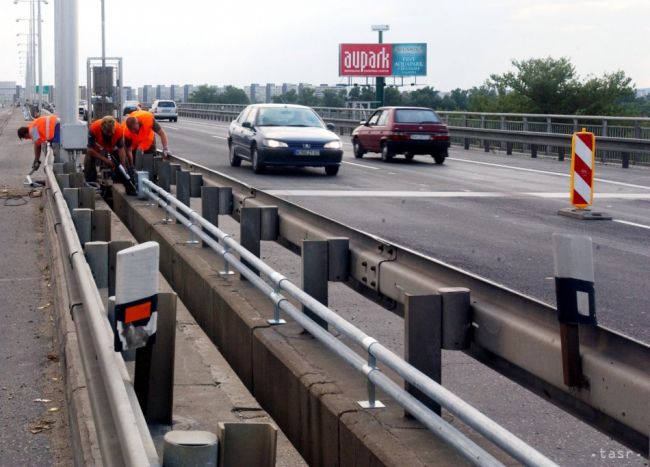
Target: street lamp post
<point x="35" y="17"/>
<point x="380" y="81"/>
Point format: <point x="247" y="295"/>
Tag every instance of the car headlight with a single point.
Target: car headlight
<point x="333" y="145"/>
<point x="274" y="143"/>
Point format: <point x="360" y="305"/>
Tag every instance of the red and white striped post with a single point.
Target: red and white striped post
<point x="583" y="150"/>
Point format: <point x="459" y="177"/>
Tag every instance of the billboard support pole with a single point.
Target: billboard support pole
<point x="380" y="81"/>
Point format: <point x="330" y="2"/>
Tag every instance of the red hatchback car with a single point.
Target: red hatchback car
<point x="402" y="130"/>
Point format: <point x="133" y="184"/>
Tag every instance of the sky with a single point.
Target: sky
<point x="275" y="41"/>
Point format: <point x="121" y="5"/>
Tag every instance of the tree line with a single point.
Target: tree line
<point x="538" y="85"/>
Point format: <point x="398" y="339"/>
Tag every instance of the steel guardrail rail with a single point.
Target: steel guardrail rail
<point x="137" y="448"/>
<point x="495" y="433"/>
<point x="512" y="333"/>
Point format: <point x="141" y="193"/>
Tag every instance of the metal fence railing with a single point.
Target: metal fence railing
<point x="276" y="284"/>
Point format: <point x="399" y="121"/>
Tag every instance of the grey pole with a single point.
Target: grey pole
<point x="57" y="56"/>
<point x="40" y="60"/>
<point x="103" y="37"/>
<point x="68" y="53"/>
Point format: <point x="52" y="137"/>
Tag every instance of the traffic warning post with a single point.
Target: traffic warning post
<point x="581" y="192"/>
<point x="574" y="291"/>
<point x="136" y="296"/>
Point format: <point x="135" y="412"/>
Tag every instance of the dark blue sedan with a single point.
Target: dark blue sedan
<point x="283" y="135"/>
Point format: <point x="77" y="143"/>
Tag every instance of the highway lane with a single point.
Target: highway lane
<point x="490" y="214"/>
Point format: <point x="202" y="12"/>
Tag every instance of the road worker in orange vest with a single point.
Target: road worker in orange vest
<point x="105" y="138"/>
<point x="41" y="131"/>
<point x="140" y="133"/>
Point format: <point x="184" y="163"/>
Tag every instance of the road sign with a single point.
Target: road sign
<point x="583" y="150"/>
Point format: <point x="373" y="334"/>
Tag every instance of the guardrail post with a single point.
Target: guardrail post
<point x="157" y="162"/>
<point x="250" y="231"/>
<point x="456" y="318"/>
<point x="486" y="145"/>
<point x="338" y="251"/>
<point x="196" y="182"/>
<point x="184" y="448"/>
<point x="87" y="197"/>
<point x="269" y="223"/>
<point x="57" y="167"/>
<point x="154" y="366"/>
<point x="137" y="159"/>
<point x="625" y="160"/>
<point x="533" y="151"/>
<point x="509" y="146"/>
<point x="96" y="254"/>
<point x="315" y="274"/>
<point x="68" y="168"/>
<point x="560" y="153"/>
<point x="183" y="188"/>
<point x="225" y="200"/>
<point x="77" y="179"/>
<point x="210" y="207"/>
<point x="164" y="175"/>
<point x="114" y="247"/>
<point x="174" y="169"/>
<point x="63" y="180"/>
<point x="147" y="164"/>
<point x="101" y="229"/>
<point x="83" y="223"/>
<point x="423" y="341"/>
<point x="251" y="444"/>
<point x="71" y="196"/>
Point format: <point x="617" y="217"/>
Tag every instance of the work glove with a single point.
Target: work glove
<point x="36" y="165"/>
<point x="165" y="153"/>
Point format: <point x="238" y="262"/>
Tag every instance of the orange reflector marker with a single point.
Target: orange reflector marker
<point x="137" y="312"/>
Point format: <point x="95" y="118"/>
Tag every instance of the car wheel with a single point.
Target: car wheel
<point x="439" y="158"/>
<point x="258" y="168"/>
<point x="235" y="160"/>
<point x="386" y="154"/>
<point x="357" y="149"/>
<point x="409" y="156"/>
<point x="332" y="169"/>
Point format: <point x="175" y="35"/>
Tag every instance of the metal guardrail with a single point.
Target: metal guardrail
<point x="512" y="333"/>
<point x="126" y="424"/>
<point x="618" y="139"/>
<point x="226" y="247"/>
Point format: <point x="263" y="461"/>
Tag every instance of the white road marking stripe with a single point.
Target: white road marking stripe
<point x="445" y="194"/>
<point x="220" y="137"/>
<point x="361" y="165"/>
<point x="548" y="172"/>
<point x="632" y="224"/>
<point x="170" y="128"/>
<point x="582" y="187"/>
<point x="583" y="152"/>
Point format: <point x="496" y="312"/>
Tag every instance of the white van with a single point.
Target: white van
<point x="164" y="110"/>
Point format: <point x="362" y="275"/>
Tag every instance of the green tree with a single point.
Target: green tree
<point x="233" y="95"/>
<point x="289" y="97"/>
<point x="354" y="94"/>
<point x="367" y="94"/>
<point x="538" y="85"/>
<point x="332" y="98"/>
<point x="392" y="96"/>
<point x="482" y="99"/>
<point x="307" y="96"/>
<point x="613" y="94"/>
<point x="424" y="97"/>
<point x="204" y="94"/>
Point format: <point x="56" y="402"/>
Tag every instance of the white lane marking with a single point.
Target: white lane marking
<point x="632" y="224"/>
<point x="170" y="128"/>
<point x="220" y="137"/>
<point x="361" y="165"/>
<point x="612" y="182"/>
<point x="444" y="194"/>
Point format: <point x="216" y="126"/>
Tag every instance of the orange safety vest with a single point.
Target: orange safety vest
<point x="95" y="129"/>
<point x="45" y="127"/>
<point x="144" y="138"/>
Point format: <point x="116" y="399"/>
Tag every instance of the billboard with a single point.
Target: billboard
<point x="365" y="59"/>
<point x="383" y="59"/>
<point x="409" y="59"/>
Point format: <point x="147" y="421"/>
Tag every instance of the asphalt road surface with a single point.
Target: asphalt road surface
<point x="490" y="214"/>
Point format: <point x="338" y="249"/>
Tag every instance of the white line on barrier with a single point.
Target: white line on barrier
<point x="548" y="172"/>
<point x="634" y="224"/>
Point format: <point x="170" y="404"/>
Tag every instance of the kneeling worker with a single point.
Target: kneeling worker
<point x="140" y="130"/>
<point x="41" y="131"/>
<point x="106" y="144"/>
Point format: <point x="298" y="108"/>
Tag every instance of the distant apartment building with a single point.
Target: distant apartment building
<point x="188" y="89"/>
<point x="269" y="92"/>
<point x="176" y="93"/>
<point x="7" y="92"/>
<point x="319" y="90"/>
<point x="286" y="87"/>
<point x="163" y="92"/>
<point x="148" y="94"/>
<point x="83" y="93"/>
<point x="252" y="92"/>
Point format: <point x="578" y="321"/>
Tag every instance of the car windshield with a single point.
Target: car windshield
<point x="166" y="104"/>
<point x="416" y="116"/>
<point x="287" y="116"/>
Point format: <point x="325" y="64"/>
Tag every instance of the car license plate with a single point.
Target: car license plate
<point x="420" y="136"/>
<point x="307" y="152"/>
